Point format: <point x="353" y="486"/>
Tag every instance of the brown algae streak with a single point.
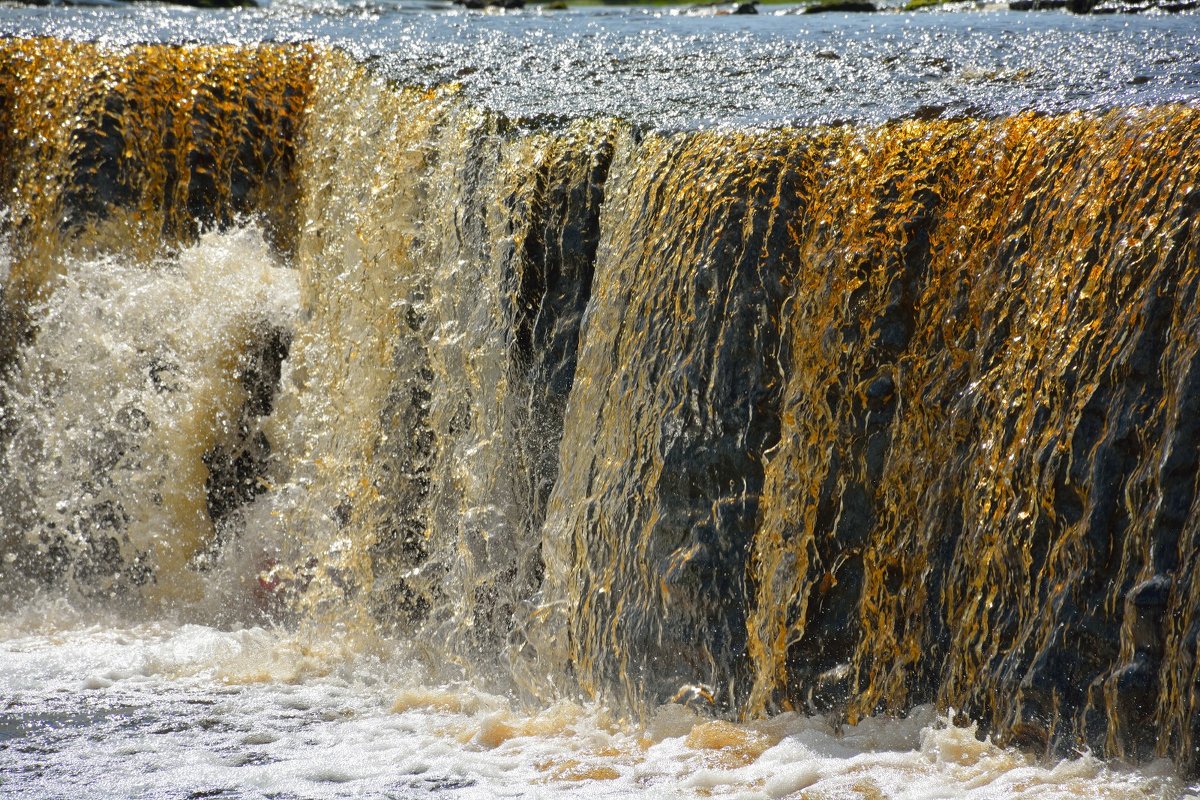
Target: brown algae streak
<point x="984" y="489"/>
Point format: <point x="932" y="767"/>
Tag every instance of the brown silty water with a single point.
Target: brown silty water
<point x="836" y="419"/>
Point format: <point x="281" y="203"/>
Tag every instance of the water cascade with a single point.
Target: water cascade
<point x="840" y="419"/>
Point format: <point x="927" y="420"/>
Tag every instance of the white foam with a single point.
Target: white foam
<point x="185" y="708"/>
<point x="132" y="378"/>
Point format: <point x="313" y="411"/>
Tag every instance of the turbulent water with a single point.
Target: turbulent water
<point x="97" y="709"/>
<point x="402" y="411"/>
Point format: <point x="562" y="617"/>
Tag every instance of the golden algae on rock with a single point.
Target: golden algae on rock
<point x="139" y="148"/>
<point x="861" y="245"/>
<point x="987" y="433"/>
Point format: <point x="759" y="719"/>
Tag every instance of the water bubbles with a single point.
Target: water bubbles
<point x="104" y="448"/>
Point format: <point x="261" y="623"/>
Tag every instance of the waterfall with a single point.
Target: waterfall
<point x="837" y="419"/>
<point x="984" y="483"/>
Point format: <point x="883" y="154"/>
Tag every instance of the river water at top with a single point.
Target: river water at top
<point x="667" y="68"/>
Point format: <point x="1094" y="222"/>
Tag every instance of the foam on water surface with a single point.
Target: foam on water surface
<point x="94" y="708"/>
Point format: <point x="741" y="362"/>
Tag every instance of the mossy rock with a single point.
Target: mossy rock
<point x="825" y="6"/>
<point x="917" y="5"/>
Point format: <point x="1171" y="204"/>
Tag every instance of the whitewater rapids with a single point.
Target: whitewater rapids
<point x="96" y="708"/>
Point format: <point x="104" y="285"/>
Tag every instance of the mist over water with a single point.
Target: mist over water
<point x="495" y="405"/>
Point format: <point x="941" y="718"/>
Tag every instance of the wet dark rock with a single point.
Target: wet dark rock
<point x="928" y="112"/>
<point x="1037" y="5"/>
<point x="830" y="689"/>
<point x="556" y="269"/>
<point x="1145" y="605"/>
<point x="260" y="372"/>
<point x="840" y="5"/>
<point x="880" y="391"/>
<point x="1030" y="733"/>
<point x="1137" y="689"/>
<point x="236" y="466"/>
<point x="477" y="5"/>
<point x="746" y="8"/>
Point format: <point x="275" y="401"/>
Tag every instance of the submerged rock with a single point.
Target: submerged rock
<point x="477" y="5"/>
<point x="840" y="5"/>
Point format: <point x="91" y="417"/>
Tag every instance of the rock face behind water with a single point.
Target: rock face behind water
<point x="997" y="489"/>
<point x="903" y="455"/>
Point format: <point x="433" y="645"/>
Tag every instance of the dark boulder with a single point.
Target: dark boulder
<point x="840" y="5"/>
<point x="477" y="5"/>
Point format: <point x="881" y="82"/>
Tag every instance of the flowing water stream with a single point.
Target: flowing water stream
<point x="401" y="402"/>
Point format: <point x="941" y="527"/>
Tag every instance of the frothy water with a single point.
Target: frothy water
<point x="97" y="709"/>
<point x="129" y="406"/>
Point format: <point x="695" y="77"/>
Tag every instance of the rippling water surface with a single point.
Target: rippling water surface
<point x="671" y="69"/>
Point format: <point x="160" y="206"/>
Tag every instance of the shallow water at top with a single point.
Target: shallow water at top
<point x="672" y="69"/>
